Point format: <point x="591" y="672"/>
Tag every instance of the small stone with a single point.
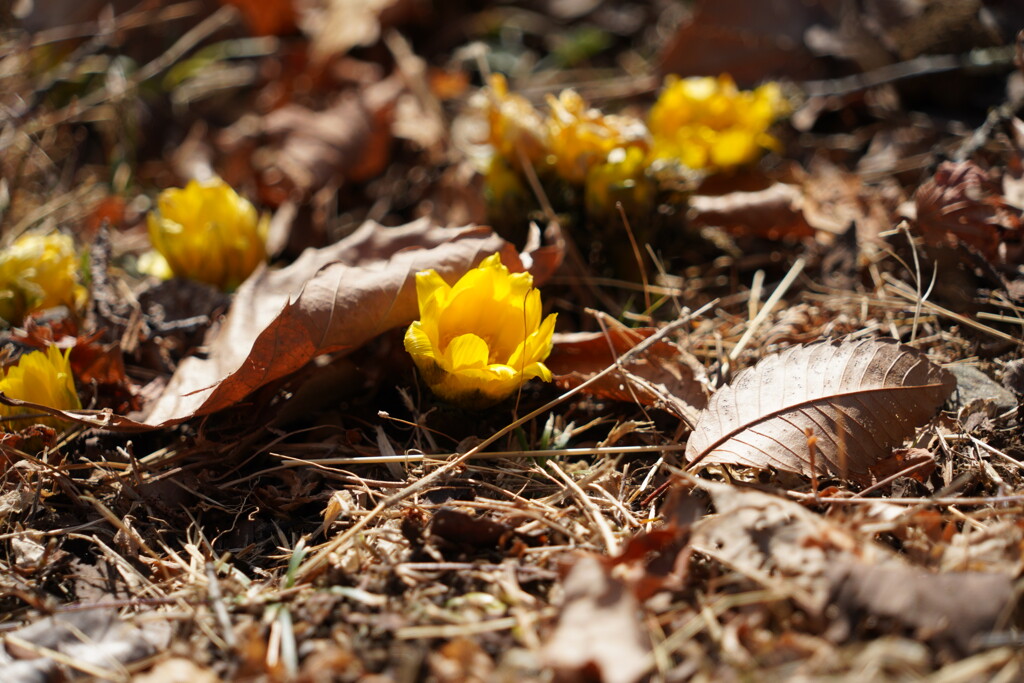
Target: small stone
<point x="972" y="383"/>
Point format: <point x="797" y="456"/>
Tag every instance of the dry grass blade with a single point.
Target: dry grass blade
<point x="858" y="399"/>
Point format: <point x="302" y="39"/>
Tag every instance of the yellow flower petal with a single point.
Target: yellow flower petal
<point x="465" y="352"/>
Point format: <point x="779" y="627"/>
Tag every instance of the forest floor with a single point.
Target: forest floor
<point x="784" y="436"/>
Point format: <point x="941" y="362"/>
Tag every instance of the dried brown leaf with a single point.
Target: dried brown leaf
<point x="464" y="529"/>
<point x="777" y="543"/>
<point x="781" y="545"/>
<point x="774" y="212"/>
<point x="96" y="640"/>
<point x="750" y="40"/>
<point x="672" y="377"/>
<point x="858" y="399"/>
<point x="296" y="150"/>
<point x="963" y="204"/>
<point x="917" y="463"/>
<point x="955" y="608"/>
<point x="599" y="635"/>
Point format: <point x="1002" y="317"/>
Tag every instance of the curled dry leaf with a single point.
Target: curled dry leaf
<point x="777" y="543"/>
<point x="664" y="376"/>
<point x="858" y="399"/>
<point x="296" y="150"/>
<point x="963" y="204"/>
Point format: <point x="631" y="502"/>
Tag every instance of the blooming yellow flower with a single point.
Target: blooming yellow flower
<point x="36" y="272"/>
<point x="42" y="377"/>
<point x="580" y="137"/>
<point x="708" y="123"/>
<point x="515" y="126"/>
<point x="208" y="233"/>
<point x="476" y="342"/>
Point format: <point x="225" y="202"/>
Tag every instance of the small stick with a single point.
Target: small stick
<point x="812" y="453"/>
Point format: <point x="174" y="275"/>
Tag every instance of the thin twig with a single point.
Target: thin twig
<point x="768" y="307"/>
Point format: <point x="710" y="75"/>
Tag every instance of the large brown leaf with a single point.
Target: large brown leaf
<point x="858" y="399"/>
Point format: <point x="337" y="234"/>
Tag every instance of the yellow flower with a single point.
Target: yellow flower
<point x="42" y="377"/>
<point x="37" y="272"/>
<point x="580" y="137"/>
<point x="708" y="123"/>
<point x="476" y="342"/>
<point x="208" y="233"/>
<point x="515" y="126"/>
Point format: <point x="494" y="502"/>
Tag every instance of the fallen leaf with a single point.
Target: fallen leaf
<point x="599" y="635"/>
<point x="955" y="608"/>
<point x="461" y="528"/>
<point x="963" y="204"/>
<point x="827" y="570"/>
<point x="296" y="150"/>
<point x="98" y="639"/>
<point x="858" y="399"/>
<point x="774" y="213"/>
<point x="751" y="41"/>
<point x="834" y="199"/>
<point x="266" y="17"/>
<point x="902" y="459"/>
<point x="777" y="543"/>
<point x="669" y="377"/>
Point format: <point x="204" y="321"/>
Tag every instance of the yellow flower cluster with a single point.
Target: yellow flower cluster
<point x="207" y="232"/>
<point x="703" y="124"/>
<point x="478" y="341"/>
<point x="42" y="377"/>
<point x="709" y="123"/>
<point x="580" y="137"/>
<point x="37" y="272"/>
